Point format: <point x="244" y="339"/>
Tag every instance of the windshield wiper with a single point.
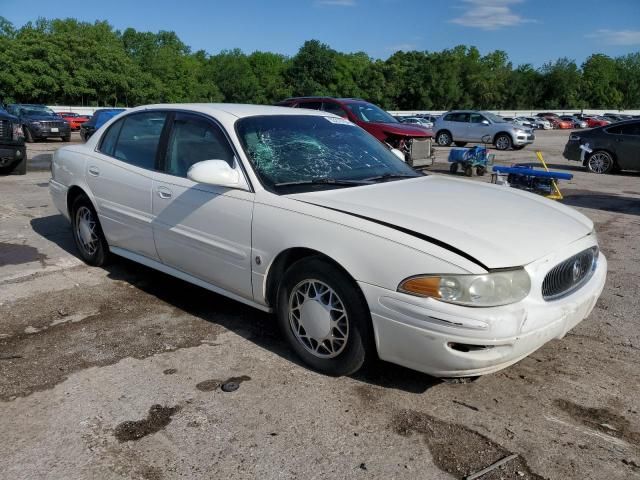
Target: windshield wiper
<point x="323" y="181"/>
<point x="389" y="176"/>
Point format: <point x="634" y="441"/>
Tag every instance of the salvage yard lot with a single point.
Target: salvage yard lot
<point x="116" y="372"/>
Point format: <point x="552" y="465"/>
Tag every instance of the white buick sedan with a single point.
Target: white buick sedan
<point x="304" y="214"/>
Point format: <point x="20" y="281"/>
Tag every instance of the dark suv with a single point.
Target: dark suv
<point x="40" y="122"/>
<point x="13" y="155"/>
<point x="412" y="140"/>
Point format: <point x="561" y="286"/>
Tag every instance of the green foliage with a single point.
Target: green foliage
<point x="72" y="62"/>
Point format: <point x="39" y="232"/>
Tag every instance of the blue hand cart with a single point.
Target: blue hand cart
<point x="469" y="160"/>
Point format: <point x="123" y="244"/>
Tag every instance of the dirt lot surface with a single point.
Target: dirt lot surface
<point x="123" y="372"/>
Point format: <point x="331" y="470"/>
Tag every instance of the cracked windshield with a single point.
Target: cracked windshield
<point x="307" y="150"/>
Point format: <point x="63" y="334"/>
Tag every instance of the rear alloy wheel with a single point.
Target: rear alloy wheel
<point x="600" y="162"/>
<point x="503" y="142"/>
<point x="444" y="139"/>
<point x="87" y="233"/>
<point x="324" y="317"/>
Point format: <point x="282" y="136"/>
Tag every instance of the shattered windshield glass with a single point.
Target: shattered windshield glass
<point x="299" y="149"/>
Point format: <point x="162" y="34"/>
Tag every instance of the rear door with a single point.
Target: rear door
<point x="202" y="230"/>
<point x="626" y="142"/>
<point x="120" y="175"/>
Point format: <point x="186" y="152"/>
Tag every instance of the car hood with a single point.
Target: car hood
<point x="405" y="129"/>
<point x="499" y="226"/>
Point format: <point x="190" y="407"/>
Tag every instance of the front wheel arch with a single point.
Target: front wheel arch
<point x="282" y="262"/>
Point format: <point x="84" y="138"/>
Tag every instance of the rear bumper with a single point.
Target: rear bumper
<point x="572" y="151"/>
<point x="426" y="335"/>
<point x="58" y="194"/>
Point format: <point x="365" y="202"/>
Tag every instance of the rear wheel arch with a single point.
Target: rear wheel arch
<point x="74" y="192"/>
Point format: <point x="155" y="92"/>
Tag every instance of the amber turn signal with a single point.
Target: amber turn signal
<point x="423" y="286"/>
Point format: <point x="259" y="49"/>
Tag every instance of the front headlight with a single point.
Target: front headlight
<point x="487" y="290"/>
<point x="17" y="131"/>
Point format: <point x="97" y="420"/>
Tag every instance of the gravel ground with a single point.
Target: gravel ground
<point x="123" y="372"/>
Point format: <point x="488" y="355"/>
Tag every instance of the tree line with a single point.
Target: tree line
<point x="68" y="62"/>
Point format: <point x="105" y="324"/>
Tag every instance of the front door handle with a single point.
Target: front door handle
<point x="164" y="192"/>
<point x="94" y="171"/>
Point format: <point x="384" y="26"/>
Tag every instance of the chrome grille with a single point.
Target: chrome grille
<point x="5" y="129"/>
<point x="569" y="275"/>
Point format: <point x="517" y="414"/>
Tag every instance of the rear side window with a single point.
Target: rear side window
<point x="628" y="129"/>
<point x="139" y="137"/>
<point x="192" y="140"/>
<point x="457" y="117"/>
<point x="109" y="139"/>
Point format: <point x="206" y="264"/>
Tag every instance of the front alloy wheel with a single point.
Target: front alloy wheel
<point x="600" y="162"/>
<point x="324" y="317"/>
<point x="503" y="142"/>
<point x="318" y="318"/>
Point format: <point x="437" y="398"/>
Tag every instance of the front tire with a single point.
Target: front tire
<point x="600" y="162"/>
<point x="324" y="317"/>
<point x="28" y="136"/>
<point x="87" y="233"/>
<point x="503" y="142"/>
<point x="444" y="139"/>
<point x="66" y="138"/>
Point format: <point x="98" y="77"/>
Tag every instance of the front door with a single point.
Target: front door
<point x="202" y="230"/>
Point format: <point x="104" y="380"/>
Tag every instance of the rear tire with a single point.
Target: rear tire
<point x="324" y="317"/>
<point x="87" y="232"/>
<point x="468" y="171"/>
<point x="453" y="168"/>
<point x="480" y="170"/>
<point x="600" y="162"/>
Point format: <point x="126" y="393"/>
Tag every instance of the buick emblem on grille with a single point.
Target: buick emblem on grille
<point x="577" y="268"/>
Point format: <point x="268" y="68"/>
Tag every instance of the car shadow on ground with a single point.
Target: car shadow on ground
<point x="602" y="201"/>
<point x="258" y="327"/>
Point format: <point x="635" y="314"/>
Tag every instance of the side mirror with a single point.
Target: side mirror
<point x="485" y="122"/>
<point x="215" y="172"/>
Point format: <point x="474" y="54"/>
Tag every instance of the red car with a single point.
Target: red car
<point x="412" y="140"/>
<point x="556" y="121"/>
<point x="74" y="119"/>
<point x="593" y="122"/>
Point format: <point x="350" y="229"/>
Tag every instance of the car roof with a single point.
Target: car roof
<point x="234" y="109"/>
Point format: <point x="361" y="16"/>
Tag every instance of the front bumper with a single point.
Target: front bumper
<point x="425" y="334"/>
<point x="523" y="138"/>
<point x="10" y="154"/>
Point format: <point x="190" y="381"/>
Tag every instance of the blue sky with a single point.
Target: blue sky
<point x="530" y="31"/>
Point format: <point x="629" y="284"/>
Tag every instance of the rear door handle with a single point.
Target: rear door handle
<point x="94" y="171"/>
<point x="164" y="192"/>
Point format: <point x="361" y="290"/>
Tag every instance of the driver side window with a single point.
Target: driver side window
<point x="192" y="140"/>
